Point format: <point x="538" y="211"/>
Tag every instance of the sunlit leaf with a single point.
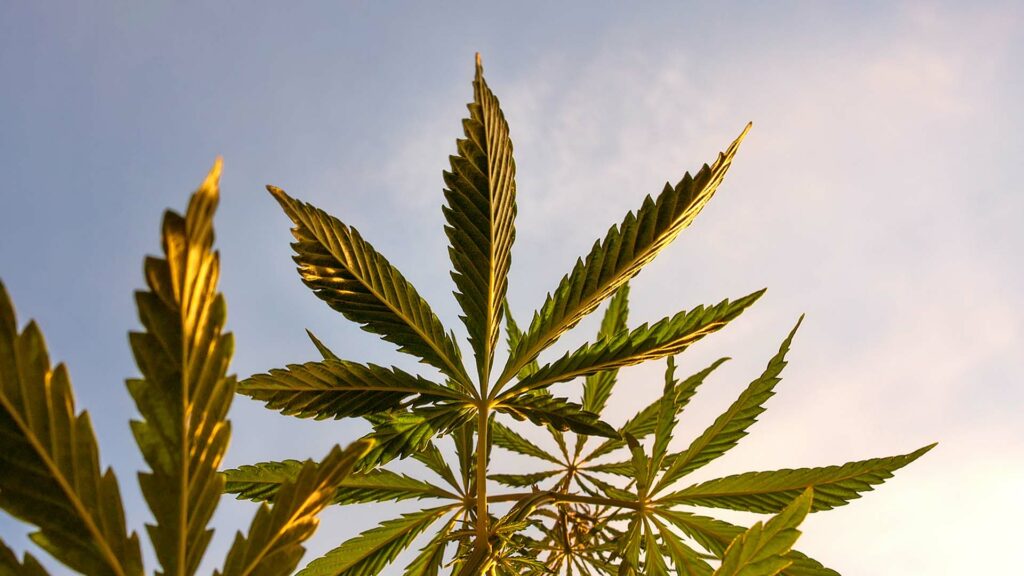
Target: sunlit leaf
<point x="666" y="337"/>
<point x="626" y="248"/>
<point x="345" y="271"/>
<point x="480" y="216"/>
<point x="273" y="546"/>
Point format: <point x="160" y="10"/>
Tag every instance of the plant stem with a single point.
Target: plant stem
<point x="482" y="433"/>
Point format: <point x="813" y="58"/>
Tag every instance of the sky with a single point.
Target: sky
<point x="877" y="193"/>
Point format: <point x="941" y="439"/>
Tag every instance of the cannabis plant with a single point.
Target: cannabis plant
<point x="50" y="475"/>
<point x="607" y="503"/>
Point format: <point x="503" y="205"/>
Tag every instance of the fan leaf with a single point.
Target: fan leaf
<point x="599" y="385"/>
<point x="716" y="535"/>
<point x="664" y="338"/>
<point x="185" y="392"/>
<point x="338" y="389"/>
<point x="762" y="549"/>
<point x="480" y="216"/>
<point x="347" y="273"/>
<point x="770" y="492"/>
<point x="542" y="409"/>
<point x="626" y="249"/>
<point x="731" y="426"/>
<point x="260" y="482"/>
<point x="368" y="553"/>
<point x="50" y="461"/>
<point x="10" y="566"/>
<point x="402" y="434"/>
<point x="431" y="557"/>
<point x="274" y="544"/>
<point x="643" y="424"/>
<point x="523" y="480"/>
<point x="509" y="439"/>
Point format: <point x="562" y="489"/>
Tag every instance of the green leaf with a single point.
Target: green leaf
<point x="402" y="434"/>
<point x="480" y="216"/>
<point x="514" y="336"/>
<point x="716" y="535"/>
<point x="523" y="480"/>
<point x="432" y="458"/>
<point x="506" y="438"/>
<point x="770" y="492"/>
<point x="599" y="385"/>
<point x="338" y="389"/>
<point x="563" y="415"/>
<point x="10" y="566"/>
<point x="644" y="422"/>
<point x="368" y="553"/>
<point x="274" y="544"/>
<point x="732" y="425"/>
<point x="431" y="557"/>
<point x="345" y="271"/>
<point x="762" y="549"/>
<point x="50" y="461"/>
<point x="321" y="347"/>
<point x="686" y="560"/>
<point x="666" y="337"/>
<point x="185" y="392"/>
<point x="260" y="482"/>
<point x="613" y="261"/>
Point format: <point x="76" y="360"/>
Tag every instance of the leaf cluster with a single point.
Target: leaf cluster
<point x="50" y="473"/>
<point x="608" y="499"/>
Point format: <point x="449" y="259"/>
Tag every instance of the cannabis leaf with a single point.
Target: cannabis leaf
<point x="51" y="471"/>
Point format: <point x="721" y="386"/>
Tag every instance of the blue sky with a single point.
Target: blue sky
<point x="877" y="192"/>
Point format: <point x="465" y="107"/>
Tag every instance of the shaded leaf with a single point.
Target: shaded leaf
<point x="50" y="461"/>
<point x="368" y="553"/>
<point x="10" y="566"/>
<point x="338" y="389"/>
<point x="402" y="434"/>
<point x="523" y="480"/>
<point x="260" y="482"/>
<point x="563" y="415"/>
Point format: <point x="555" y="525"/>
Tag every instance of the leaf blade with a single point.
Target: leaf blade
<point x="770" y="492"/>
<point x="52" y="477"/>
<point x="184" y="393"/>
<point x="664" y="338"/>
<point x="623" y="252"/>
<point x="273" y="546"/>
<point x="480" y="214"/>
<point x="347" y="273"/>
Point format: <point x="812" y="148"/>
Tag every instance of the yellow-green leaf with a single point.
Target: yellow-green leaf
<point x="480" y="216"/>
<point x="185" y="392"/>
